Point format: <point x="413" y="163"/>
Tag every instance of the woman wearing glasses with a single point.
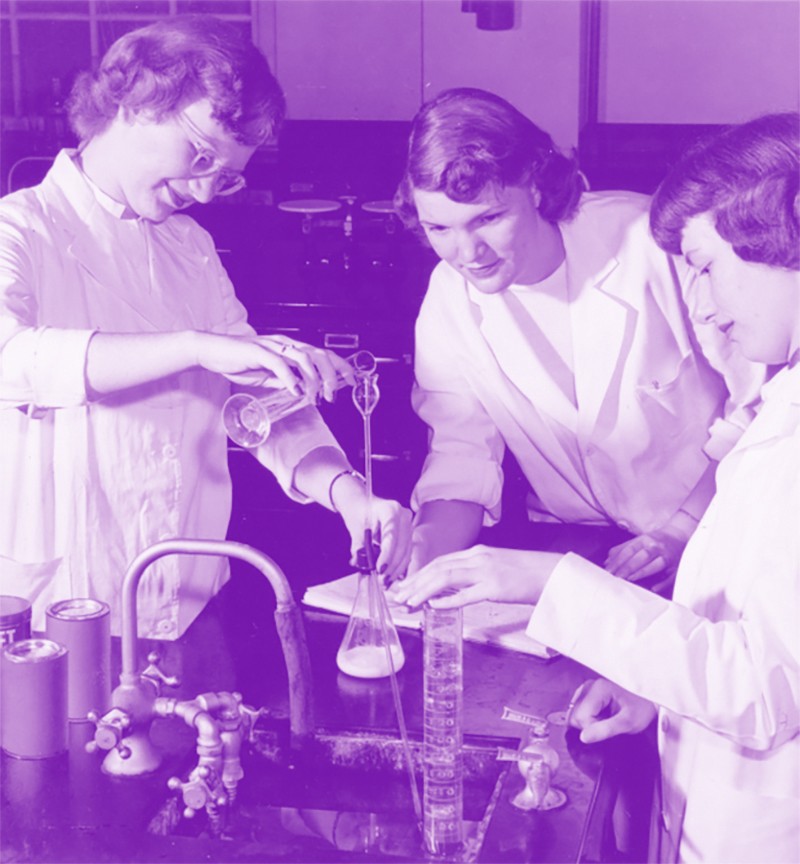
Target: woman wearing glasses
<point x="120" y="334"/>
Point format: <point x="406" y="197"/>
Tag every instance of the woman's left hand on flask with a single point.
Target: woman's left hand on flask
<point x="390" y="524"/>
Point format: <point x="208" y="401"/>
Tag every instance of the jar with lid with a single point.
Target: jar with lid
<point x="15" y="619"/>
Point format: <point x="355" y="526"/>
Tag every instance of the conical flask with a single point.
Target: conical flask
<point x="371" y="647"/>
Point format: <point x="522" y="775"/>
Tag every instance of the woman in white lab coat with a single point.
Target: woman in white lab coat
<point x="120" y="333"/>
<point x="720" y="664"/>
<point x="556" y="328"/>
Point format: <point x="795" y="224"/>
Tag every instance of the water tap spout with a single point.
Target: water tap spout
<point x="288" y="620"/>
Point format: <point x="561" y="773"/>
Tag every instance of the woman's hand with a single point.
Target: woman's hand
<point x="645" y="556"/>
<point x="273" y="361"/>
<point x="602" y="710"/>
<point x="388" y="520"/>
<point x="479" y="573"/>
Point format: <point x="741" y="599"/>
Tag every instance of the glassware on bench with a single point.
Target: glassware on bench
<point x="443" y="758"/>
<point x="371" y="647"/>
<point x="248" y="417"/>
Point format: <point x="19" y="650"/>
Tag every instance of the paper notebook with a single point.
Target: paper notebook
<point x="490" y="623"/>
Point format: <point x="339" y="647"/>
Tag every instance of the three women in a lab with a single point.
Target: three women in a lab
<point x="120" y="333"/>
<point x="719" y="665"/>
<point x="554" y="327"/>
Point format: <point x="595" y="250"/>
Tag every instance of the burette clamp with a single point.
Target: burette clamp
<point x="367" y="556"/>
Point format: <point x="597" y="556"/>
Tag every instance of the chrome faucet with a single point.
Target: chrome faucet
<point x="221" y="720"/>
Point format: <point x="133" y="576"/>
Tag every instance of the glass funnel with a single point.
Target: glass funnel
<point x="371" y="647"/>
<point x="248" y="417"/>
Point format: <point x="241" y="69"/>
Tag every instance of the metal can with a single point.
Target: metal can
<point x="83" y="626"/>
<point x="33" y="698"/>
<point x="15" y="619"/>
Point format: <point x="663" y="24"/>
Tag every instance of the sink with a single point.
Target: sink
<point x="346" y="796"/>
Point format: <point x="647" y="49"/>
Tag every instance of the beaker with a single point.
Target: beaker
<point x="370" y="637"/>
<point x="248" y="417"/>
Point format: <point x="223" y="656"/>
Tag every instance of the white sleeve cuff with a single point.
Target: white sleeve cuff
<point x="723" y="435"/>
<point x="460" y="478"/>
<point x="568" y="600"/>
<point x="46" y="366"/>
<point x="290" y="440"/>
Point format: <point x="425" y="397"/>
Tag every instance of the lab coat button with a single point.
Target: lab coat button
<point x="166" y="626"/>
<point x="170" y="451"/>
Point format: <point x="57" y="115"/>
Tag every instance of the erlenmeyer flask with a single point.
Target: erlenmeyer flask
<point x="363" y="652"/>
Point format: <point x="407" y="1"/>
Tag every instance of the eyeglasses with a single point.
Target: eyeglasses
<point x="207" y="163"/>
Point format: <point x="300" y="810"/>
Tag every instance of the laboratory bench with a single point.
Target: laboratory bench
<point x="67" y="809"/>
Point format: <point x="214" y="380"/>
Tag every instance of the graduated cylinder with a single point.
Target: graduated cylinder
<point x="443" y="766"/>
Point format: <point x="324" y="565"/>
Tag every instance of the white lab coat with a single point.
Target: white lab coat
<point x="631" y="452"/>
<point x="722" y="659"/>
<point x="86" y="485"/>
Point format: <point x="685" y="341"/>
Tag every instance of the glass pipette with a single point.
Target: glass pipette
<point x="365" y="398"/>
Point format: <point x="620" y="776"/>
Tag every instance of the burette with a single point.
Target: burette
<point x="365" y="398"/>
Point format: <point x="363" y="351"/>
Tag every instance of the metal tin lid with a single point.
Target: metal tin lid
<point x="77" y="609"/>
<point x="14" y="610"/>
<point x="33" y="651"/>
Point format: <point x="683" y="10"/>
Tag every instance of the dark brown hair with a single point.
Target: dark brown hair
<point x="467" y="139"/>
<point x="747" y="177"/>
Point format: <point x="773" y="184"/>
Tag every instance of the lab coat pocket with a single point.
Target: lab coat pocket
<point x="664" y="375"/>
<point x="677" y="409"/>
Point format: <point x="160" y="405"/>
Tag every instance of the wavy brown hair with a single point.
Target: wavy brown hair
<point x="164" y="66"/>
<point x="467" y="139"/>
<point x="747" y="177"/>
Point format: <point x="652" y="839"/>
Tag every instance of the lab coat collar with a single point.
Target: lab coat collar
<point x="507" y="329"/>
<point x="784" y="385"/>
<point x="599" y="323"/>
<point x="600" y="320"/>
<point x="777" y="414"/>
<point x="70" y="194"/>
<point x="91" y="230"/>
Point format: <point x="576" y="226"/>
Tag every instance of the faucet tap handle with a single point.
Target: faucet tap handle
<point x="197" y="791"/>
<point x="111" y="728"/>
<point x="156" y="675"/>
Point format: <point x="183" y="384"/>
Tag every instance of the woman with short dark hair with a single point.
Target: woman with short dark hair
<point x="719" y="665"/>
<point x="553" y="327"/>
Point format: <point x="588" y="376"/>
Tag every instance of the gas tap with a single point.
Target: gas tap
<point x="223" y="723"/>
<point x="124" y="729"/>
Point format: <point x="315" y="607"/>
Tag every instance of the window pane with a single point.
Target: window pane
<point x="136" y="7"/>
<point x="109" y="31"/>
<point x="6" y="94"/>
<point x="46" y="6"/>
<point x="215" y="7"/>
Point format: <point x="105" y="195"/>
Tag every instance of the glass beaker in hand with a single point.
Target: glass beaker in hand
<point x="248" y="417"/>
<point x="371" y="647"/>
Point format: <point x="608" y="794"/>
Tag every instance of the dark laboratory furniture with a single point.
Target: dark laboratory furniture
<point x="65" y="809"/>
